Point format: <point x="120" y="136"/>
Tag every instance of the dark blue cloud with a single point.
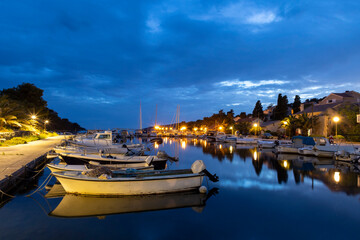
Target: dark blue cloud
<point x="97" y="60"/>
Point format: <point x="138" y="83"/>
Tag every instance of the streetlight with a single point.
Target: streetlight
<point x="33" y="117"/>
<point x="232" y="130"/>
<point x="255" y="126"/>
<point x="220" y="128"/>
<point x="336" y="119"/>
<point x="286" y="123"/>
<point x="45" y="122"/>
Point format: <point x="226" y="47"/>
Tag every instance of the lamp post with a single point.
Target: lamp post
<point x="232" y="130"/>
<point x="336" y="119"/>
<point x="45" y="122"/>
<point x="286" y="123"/>
<point x="255" y="126"/>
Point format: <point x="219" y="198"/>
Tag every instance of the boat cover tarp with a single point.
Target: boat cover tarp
<point x="305" y="140"/>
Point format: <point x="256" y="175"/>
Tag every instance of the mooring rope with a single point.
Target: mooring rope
<point x="43" y="185"/>
<point x="6" y="194"/>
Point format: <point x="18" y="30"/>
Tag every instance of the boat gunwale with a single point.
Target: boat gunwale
<point x="125" y="179"/>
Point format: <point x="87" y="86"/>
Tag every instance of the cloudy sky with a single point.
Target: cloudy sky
<point x="96" y="60"/>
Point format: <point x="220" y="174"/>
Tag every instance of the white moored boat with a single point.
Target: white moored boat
<point x="135" y="182"/>
<point x="88" y="167"/>
<point x="214" y="136"/>
<point x="297" y="142"/>
<point x="126" y="161"/>
<point x="246" y="140"/>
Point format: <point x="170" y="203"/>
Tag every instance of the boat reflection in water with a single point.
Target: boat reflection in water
<point x="335" y="175"/>
<point x="74" y="206"/>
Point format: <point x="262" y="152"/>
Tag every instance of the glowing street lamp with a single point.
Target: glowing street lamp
<point x="286" y="123"/>
<point x="45" y="122"/>
<point x="336" y="119"/>
<point x="33" y="117"/>
<point x="255" y="126"/>
<point x="232" y="130"/>
<point x="220" y="128"/>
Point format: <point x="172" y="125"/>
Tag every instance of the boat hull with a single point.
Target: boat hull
<point x="126" y="161"/>
<point x="83" y="167"/>
<point x="133" y="186"/>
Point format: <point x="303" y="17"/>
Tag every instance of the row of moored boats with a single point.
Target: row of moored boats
<point x="98" y="166"/>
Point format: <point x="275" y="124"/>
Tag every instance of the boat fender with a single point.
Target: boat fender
<point x="202" y="189"/>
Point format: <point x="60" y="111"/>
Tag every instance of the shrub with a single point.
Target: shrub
<point x="15" y="141"/>
<point x="339" y="137"/>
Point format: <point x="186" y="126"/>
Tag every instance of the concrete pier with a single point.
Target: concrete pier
<point x="15" y="160"/>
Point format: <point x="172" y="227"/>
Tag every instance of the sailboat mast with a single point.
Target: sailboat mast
<point x="140" y="117"/>
<point x="156" y="116"/>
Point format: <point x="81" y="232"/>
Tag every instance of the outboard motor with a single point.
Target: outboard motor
<point x="199" y="167"/>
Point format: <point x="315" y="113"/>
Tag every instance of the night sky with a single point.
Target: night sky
<point x="96" y="60"/>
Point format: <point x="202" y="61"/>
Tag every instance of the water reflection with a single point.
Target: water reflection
<point x="74" y="206"/>
<point x="337" y="176"/>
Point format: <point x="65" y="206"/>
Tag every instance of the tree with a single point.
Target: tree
<point x="290" y="123"/>
<point x="258" y="110"/>
<point x="243" y="127"/>
<point x="28" y="94"/>
<point x="296" y="104"/>
<point x="306" y="122"/>
<point x="26" y="99"/>
<point x="348" y="125"/>
<point x="242" y="115"/>
<point x="230" y="114"/>
<point x="12" y="114"/>
<point x="281" y="110"/>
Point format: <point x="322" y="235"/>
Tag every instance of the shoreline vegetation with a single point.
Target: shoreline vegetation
<point x="25" y="116"/>
<point x="26" y="139"/>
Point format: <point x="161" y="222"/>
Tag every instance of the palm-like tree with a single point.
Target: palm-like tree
<point x="8" y="113"/>
<point x="306" y="122"/>
<point x="12" y="114"/>
<point x="290" y="123"/>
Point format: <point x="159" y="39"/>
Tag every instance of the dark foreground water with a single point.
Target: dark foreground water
<point x="260" y="196"/>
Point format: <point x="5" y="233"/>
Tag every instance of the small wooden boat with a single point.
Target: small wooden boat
<point x="60" y="167"/>
<point x="135" y="182"/>
<point x="126" y="161"/>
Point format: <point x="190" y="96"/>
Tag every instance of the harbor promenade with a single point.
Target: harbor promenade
<point x="13" y="159"/>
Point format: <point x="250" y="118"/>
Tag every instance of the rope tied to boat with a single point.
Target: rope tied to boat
<point x="42" y="186"/>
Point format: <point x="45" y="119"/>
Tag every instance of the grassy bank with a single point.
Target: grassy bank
<point x="26" y="139"/>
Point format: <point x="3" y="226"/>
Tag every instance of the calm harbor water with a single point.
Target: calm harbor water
<point x="260" y="195"/>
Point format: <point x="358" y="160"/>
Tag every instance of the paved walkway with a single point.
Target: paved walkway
<point x="14" y="157"/>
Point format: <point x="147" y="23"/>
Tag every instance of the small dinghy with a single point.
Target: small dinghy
<point x="126" y="161"/>
<point x="60" y="167"/>
<point x="134" y="182"/>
